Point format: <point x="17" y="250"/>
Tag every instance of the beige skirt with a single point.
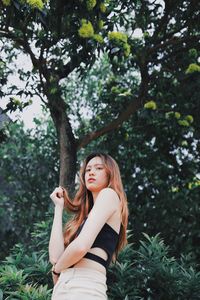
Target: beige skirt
<point x="80" y="284"/>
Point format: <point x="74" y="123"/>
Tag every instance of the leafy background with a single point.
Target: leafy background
<point x="156" y="146"/>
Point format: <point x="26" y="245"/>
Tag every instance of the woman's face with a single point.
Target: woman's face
<point x="96" y="177"/>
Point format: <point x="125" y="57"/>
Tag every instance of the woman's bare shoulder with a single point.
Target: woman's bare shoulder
<point x="110" y="192"/>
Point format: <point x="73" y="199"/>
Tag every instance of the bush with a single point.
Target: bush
<point x="150" y="273"/>
<point x="146" y="273"/>
<point x="27" y="276"/>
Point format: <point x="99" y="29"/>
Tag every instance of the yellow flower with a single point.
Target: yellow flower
<point x="190" y="185"/>
<point x="189" y="118"/>
<point x="98" y="38"/>
<point x="36" y="4"/>
<point x="150" y="105"/>
<point x="16" y="101"/>
<point x="126" y="136"/>
<point x="194" y="184"/>
<point x="91" y="4"/>
<point x="192" y="68"/>
<point x="100" y="24"/>
<point x="6" y="2"/>
<point x="197" y="183"/>
<point x="86" y="30"/>
<point x="177" y="115"/>
<point x="169" y="114"/>
<point x="127" y="49"/>
<point x="102" y="7"/>
<point x="184" y="143"/>
<point x="120" y="39"/>
<point x="183" y="123"/>
<point x="126" y="93"/>
<point x="117" y="36"/>
<point x="175" y="189"/>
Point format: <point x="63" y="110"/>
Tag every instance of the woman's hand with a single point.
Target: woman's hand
<point x="57" y="197"/>
<point x="54" y="276"/>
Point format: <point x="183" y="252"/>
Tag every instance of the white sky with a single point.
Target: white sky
<point x="31" y="111"/>
<point x="28" y="113"/>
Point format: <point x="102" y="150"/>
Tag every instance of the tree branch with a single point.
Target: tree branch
<point x="22" y="43"/>
<point x="123" y="116"/>
<point x="74" y="62"/>
<point x="173" y="42"/>
<point x="59" y="14"/>
<point x="134" y="105"/>
<point x="41" y="98"/>
<point x="162" y="23"/>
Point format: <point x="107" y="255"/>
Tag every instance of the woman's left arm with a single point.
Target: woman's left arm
<point x="105" y="205"/>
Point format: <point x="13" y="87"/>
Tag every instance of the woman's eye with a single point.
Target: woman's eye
<point x="97" y="168"/>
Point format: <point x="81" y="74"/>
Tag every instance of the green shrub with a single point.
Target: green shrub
<point x="146" y="273"/>
<point x="25" y="276"/>
<point x="150" y="273"/>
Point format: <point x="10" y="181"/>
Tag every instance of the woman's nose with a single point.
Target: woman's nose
<point x="91" y="172"/>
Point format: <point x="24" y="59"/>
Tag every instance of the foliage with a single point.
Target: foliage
<point x="158" y="156"/>
<point x="14" y="285"/>
<point x="150" y="273"/>
<point x="147" y="272"/>
<point x="155" y="90"/>
<point x="150" y="105"/>
<point x="192" y="68"/>
<point x="29" y="170"/>
<point x="70" y="40"/>
<point x="86" y="30"/>
<point x="160" y="174"/>
<point x="25" y="273"/>
<point x="62" y="37"/>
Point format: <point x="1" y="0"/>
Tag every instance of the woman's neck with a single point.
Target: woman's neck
<point x="94" y="195"/>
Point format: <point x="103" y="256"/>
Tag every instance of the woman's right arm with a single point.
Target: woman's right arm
<point x="56" y="243"/>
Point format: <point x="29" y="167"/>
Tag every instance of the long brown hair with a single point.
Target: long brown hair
<point x="83" y="201"/>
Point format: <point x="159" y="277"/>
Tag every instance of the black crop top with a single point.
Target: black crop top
<point x="107" y="239"/>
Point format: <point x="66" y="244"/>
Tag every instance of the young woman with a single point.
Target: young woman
<point x="95" y="234"/>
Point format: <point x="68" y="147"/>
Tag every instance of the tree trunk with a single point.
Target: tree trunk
<point x="67" y="147"/>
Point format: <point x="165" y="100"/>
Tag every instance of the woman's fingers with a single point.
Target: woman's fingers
<point x="58" y="192"/>
<point x="59" y="189"/>
<point x="57" y="196"/>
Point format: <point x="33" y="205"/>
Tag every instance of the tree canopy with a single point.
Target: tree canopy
<point x="60" y="37"/>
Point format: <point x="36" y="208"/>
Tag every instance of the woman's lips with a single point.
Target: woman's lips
<point x="91" y="180"/>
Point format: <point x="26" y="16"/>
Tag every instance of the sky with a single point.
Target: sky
<point x="30" y="112"/>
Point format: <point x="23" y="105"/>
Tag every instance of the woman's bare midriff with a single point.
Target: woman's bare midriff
<point x="88" y="263"/>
